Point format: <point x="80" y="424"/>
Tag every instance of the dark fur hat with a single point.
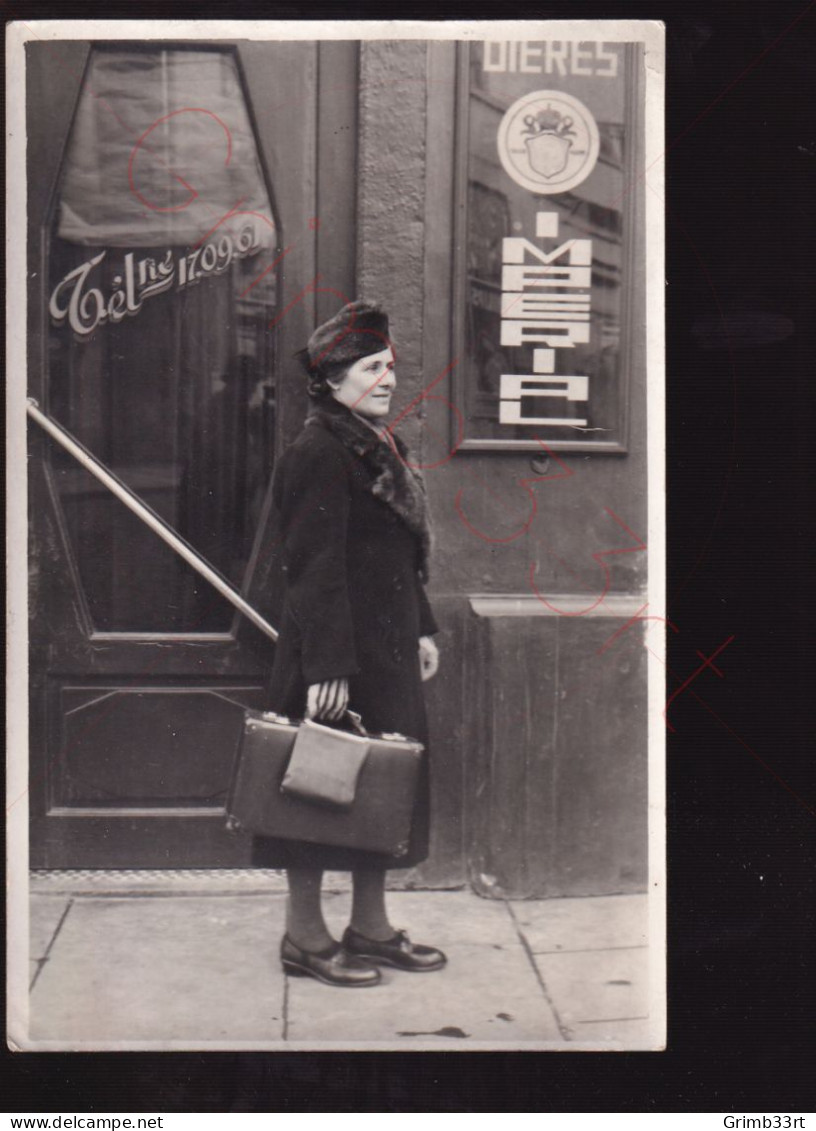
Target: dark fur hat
<point x="359" y="329"/>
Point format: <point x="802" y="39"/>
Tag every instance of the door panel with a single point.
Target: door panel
<point x="167" y="319"/>
<point x="135" y="747"/>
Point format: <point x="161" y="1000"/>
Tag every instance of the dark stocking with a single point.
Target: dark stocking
<point x="368" y="914"/>
<point x="305" y="924"/>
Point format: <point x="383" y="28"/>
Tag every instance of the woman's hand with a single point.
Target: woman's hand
<point x="428" y="657"/>
<point x="327" y="700"/>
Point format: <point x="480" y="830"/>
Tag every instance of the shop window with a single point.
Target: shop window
<point x="547" y="145"/>
<point x="162" y="287"/>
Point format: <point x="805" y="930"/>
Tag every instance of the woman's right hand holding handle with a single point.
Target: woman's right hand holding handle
<point x="327" y="700"/>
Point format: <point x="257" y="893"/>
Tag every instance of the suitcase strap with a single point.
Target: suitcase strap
<point x="325" y="764"/>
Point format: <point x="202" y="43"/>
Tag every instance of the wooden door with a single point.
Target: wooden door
<point x="173" y="227"/>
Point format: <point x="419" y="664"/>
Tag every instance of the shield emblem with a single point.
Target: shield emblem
<point x="548" y="153"/>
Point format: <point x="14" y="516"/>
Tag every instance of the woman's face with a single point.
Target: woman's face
<point x="368" y="385"/>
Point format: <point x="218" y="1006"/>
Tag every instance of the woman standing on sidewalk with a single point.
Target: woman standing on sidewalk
<point x="356" y="627"/>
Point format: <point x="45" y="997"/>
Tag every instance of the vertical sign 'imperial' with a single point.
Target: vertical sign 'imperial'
<point x="544" y="301"/>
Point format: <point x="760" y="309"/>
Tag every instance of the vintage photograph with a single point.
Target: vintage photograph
<point x="337" y="616"/>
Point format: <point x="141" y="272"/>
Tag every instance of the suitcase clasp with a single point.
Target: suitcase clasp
<point x="274" y="717"/>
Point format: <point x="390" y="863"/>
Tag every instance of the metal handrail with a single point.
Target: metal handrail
<point x="148" y="516"/>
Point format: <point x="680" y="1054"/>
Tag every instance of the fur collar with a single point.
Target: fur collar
<point x="395" y="482"/>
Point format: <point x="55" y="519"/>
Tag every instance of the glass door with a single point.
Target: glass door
<point x="162" y="284"/>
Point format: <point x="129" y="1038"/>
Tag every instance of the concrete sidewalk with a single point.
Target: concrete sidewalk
<point x="190" y="960"/>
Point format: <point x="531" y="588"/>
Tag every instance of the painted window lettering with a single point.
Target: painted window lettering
<point x="551" y="57"/>
<point x="545" y="298"/>
<point x="515" y="386"/>
<point x="74" y="299"/>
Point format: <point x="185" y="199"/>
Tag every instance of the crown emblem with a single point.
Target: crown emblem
<point x="549" y="121"/>
<point x="548" y="141"/>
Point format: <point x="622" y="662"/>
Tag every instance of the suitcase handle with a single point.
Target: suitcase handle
<point x="353" y="719"/>
<point x="351" y="716"/>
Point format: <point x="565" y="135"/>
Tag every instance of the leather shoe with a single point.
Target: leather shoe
<point x="334" y="966"/>
<point x="398" y="951"/>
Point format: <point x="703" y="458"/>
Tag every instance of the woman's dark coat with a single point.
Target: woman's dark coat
<point x="351" y="518"/>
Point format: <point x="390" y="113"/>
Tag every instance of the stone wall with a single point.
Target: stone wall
<point x="391" y="203"/>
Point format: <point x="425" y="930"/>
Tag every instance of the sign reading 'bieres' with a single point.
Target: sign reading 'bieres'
<point x="84" y="306"/>
<point x="551" y="57"/>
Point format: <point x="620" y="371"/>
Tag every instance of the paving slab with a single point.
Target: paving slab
<point x="440" y="918"/>
<point x="597" y="986"/>
<point x="44" y="915"/>
<point x="162" y="969"/>
<point x="484" y="994"/>
<point x="599" y="923"/>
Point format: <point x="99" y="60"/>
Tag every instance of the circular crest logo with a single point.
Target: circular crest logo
<point x="548" y="141"/>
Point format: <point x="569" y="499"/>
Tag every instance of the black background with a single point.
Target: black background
<point x="741" y="220"/>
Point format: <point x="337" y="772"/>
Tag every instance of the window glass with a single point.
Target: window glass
<point x="546" y="129"/>
<point x="162" y="288"/>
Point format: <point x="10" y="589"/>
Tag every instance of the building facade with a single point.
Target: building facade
<point x="195" y="209"/>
